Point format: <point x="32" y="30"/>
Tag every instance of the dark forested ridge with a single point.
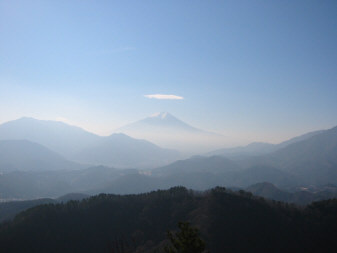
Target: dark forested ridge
<point x="228" y="222"/>
<point x="8" y="210"/>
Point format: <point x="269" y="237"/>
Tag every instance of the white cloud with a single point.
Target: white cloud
<point x="163" y="96"/>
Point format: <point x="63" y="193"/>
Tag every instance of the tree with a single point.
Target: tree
<point x="187" y="240"/>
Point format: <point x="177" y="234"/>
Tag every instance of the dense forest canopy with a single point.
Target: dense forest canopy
<point x="228" y="222"/>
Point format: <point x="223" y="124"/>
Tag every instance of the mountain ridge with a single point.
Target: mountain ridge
<point x="72" y="141"/>
<point x="226" y="219"/>
<point x="25" y="155"/>
<point x="261" y="148"/>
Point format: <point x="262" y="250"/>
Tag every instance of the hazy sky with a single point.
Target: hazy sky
<point x="262" y="70"/>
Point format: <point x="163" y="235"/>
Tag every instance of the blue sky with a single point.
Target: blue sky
<point x="259" y="70"/>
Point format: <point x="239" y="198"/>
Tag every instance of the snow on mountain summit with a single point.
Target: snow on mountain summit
<point x="161" y="115"/>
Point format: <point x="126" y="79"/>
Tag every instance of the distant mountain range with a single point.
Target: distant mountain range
<point x="29" y="169"/>
<point x="159" y="121"/>
<point x="166" y="130"/>
<point x="23" y="155"/>
<point x="62" y="138"/>
<point x="54" y="183"/>
<point x="202" y="173"/>
<point x="314" y="159"/>
<point x="259" y="148"/>
<point x="122" y="151"/>
<point x="78" y="145"/>
<point x="214" y="164"/>
<point x="302" y="197"/>
<point x="305" y="160"/>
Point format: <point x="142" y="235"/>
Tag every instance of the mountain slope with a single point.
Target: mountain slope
<point x="300" y="197"/>
<point x="9" y="209"/>
<point x="201" y="173"/>
<point x="57" y="136"/>
<point x="312" y="161"/>
<point x="51" y="184"/>
<point x="77" y="144"/>
<point x="252" y="149"/>
<point x="122" y="151"/>
<point x="214" y="164"/>
<point x="260" y="148"/>
<point x="269" y="191"/>
<point x="28" y="156"/>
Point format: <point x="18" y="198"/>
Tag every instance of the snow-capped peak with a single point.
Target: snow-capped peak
<point x="161" y="115"/>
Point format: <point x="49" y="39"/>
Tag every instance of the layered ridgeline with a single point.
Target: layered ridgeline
<point x="51" y="184"/>
<point x="62" y="138"/>
<point x="32" y="170"/>
<point x="295" y="167"/>
<point x="168" y="131"/>
<point x="8" y="210"/>
<point x="301" y="197"/>
<point x="78" y="145"/>
<point x="260" y="148"/>
<point x="304" y="160"/>
<point x="228" y="222"/>
<point x="23" y="155"/>
<point x="312" y="161"/>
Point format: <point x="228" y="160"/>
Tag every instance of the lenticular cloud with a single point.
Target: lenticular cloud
<point x="163" y="96"/>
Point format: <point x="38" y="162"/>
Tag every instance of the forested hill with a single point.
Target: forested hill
<point x="228" y="222"/>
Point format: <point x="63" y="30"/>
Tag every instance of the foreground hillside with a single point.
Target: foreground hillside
<point x="229" y="222"/>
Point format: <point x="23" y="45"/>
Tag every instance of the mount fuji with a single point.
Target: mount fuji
<point x="166" y="130"/>
<point x="158" y="122"/>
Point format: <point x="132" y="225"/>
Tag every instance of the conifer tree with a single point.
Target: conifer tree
<point x="186" y="240"/>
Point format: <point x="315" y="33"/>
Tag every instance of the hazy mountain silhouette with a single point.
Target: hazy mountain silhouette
<point x="29" y="156"/>
<point x="305" y="160"/>
<point x="252" y="149"/>
<point x="77" y="144"/>
<point x="166" y="130"/>
<point x="72" y="196"/>
<point x="120" y="150"/>
<point x="214" y="164"/>
<point x="302" y="197"/>
<point x="269" y="191"/>
<point x="260" y="148"/>
<point x="262" y="173"/>
<point x="313" y="159"/>
<point x="309" y="160"/>
<point x="51" y="184"/>
<point x="57" y="136"/>
<point x="200" y="173"/>
<point x="159" y="121"/>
